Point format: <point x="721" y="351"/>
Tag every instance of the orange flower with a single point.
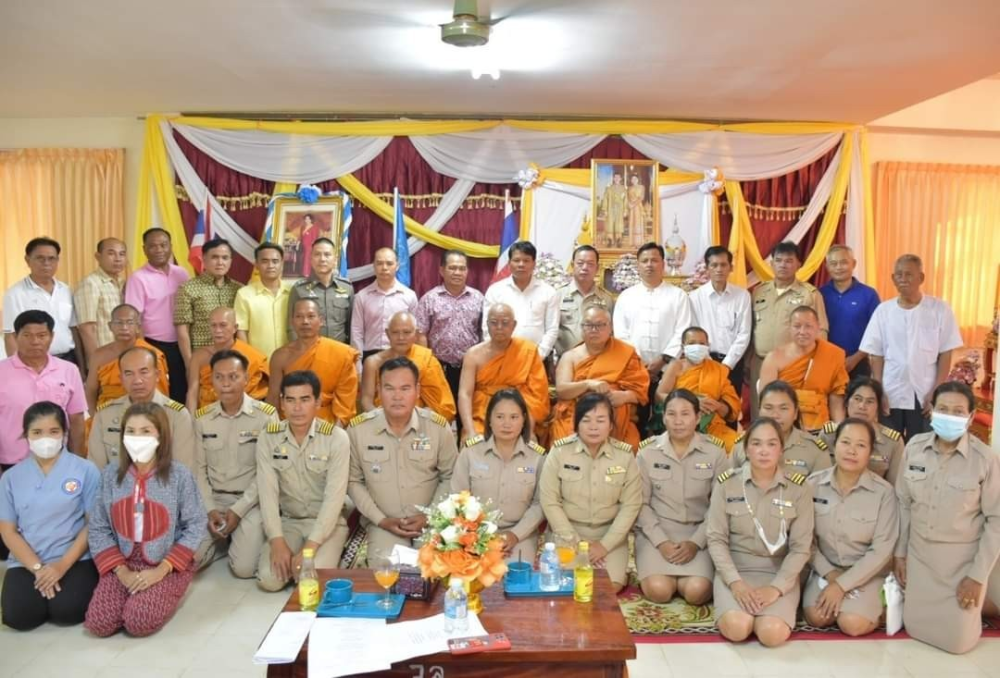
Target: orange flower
<point x="492" y="563"/>
<point x="468" y="539"/>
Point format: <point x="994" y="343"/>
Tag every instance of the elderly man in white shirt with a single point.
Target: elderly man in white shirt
<point x="652" y="316"/>
<point x="723" y="310"/>
<point x="40" y="291"/>
<point x="535" y="303"/>
<point x="909" y="340"/>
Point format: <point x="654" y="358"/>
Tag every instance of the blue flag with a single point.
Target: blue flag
<point x="348" y="218"/>
<point x="401" y="246"/>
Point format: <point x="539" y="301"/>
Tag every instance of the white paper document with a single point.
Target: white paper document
<point x="406" y="555"/>
<point x="421" y="637"/>
<point x="341" y="647"/>
<point x="284" y="640"/>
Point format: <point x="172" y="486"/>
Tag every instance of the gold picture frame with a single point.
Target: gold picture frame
<point x="624" y="194"/>
<point x="294" y="218"/>
<point x="606" y="271"/>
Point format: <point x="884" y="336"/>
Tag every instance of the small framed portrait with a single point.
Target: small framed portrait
<point x="624" y="204"/>
<point x="297" y="225"/>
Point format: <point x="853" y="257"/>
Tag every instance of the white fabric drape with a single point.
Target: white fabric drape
<point x="495" y="155"/>
<point x="854" y="222"/>
<point x="295" y="158"/>
<point x="740" y="156"/>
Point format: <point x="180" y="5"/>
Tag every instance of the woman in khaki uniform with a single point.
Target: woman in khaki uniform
<point x="677" y="469"/>
<point x="949" y="538"/>
<point x="857" y="524"/>
<point x="590" y="487"/>
<point x="803" y="453"/>
<point x="760" y="532"/>
<point x="503" y="467"/>
<point x="864" y="400"/>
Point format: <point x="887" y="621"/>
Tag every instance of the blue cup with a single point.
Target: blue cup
<point x="519" y="573"/>
<point x="339" y="592"/>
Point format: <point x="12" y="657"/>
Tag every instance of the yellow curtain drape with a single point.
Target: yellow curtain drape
<point x="948" y="216"/>
<point x="75" y="196"/>
<point x="156" y="186"/>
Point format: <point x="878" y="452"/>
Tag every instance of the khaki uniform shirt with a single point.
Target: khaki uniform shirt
<point x="512" y="486"/>
<point x="391" y="476"/>
<point x="104" y="443"/>
<point x="677" y="489"/>
<point x="855" y="533"/>
<point x="886" y="456"/>
<point x="571" y="304"/>
<point x="302" y="481"/>
<point x="951" y="498"/>
<point x="225" y="453"/>
<point x="803" y="453"/>
<point x="732" y="534"/>
<point x="771" y="313"/>
<point x="595" y="491"/>
<point x="335" y="303"/>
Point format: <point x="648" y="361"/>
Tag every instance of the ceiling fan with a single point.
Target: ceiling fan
<point x="467" y="28"/>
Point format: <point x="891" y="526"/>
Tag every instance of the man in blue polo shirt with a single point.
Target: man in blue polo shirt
<point x="849" y="306"/>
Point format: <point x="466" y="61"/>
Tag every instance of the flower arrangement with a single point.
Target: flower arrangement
<point x="626" y="273"/>
<point x="967" y="369"/>
<point x="461" y="541"/>
<point x="696" y="279"/>
<point x="309" y="194"/>
<point x="551" y="270"/>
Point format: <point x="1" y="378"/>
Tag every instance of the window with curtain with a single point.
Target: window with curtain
<point x="948" y="215"/>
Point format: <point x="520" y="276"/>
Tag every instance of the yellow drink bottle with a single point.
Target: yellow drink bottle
<point x="583" y="575"/>
<point x="308" y="582"/>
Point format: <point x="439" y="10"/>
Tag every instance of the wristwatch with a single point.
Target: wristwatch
<point x="36" y="567"/>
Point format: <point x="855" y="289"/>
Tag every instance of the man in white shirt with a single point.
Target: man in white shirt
<point x="909" y="341"/>
<point x="723" y="310"/>
<point x="535" y="303"/>
<point x="652" y="316"/>
<point x="40" y="291"/>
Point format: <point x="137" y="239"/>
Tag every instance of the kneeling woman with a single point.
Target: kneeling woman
<point x="857" y="524"/>
<point x="147" y="523"/>
<point x="677" y="469"/>
<point x="760" y="532"/>
<point x="44" y="504"/>
<point x="503" y="466"/>
<point x="590" y="487"/>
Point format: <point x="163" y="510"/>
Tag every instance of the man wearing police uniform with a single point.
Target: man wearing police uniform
<point x="582" y="292"/>
<point x="334" y="294"/>
<point x="226" y="434"/>
<point x="401" y="457"/>
<point x="139" y="378"/>
<point x="302" y="468"/>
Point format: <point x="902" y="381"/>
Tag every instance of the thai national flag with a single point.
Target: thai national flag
<point x="507" y="238"/>
<point x="202" y="233"/>
<point x="348" y="218"/>
<point x="402" y="246"/>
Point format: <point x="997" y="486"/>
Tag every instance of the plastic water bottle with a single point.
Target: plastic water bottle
<point x="549" y="573"/>
<point x="456" y="607"/>
<point x="308" y="582"/>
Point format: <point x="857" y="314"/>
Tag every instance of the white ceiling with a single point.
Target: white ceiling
<point x="846" y="60"/>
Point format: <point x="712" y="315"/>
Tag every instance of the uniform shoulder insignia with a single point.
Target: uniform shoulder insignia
<point x="716" y="440"/>
<point x="797" y="478"/>
<point x="202" y="411"/>
<point x="433" y="416"/>
<point x="276" y="427"/>
<point x="536" y="447"/>
<point x="820" y="444"/>
<point x="174" y="405"/>
<point x="474" y="440"/>
<point x="621" y="445"/>
<point x="740" y="437"/>
<point x="106" y="404"/>
<point x="325" y="427"/>
<point x="830" y="427"/>
<point x="648" y="441"/>
<point x="891" y="433"/>
<point x="724" y="476"/>
<point x="266" y="408"/>
<point x="361" y="418"/>
<point x="565" y="441"/>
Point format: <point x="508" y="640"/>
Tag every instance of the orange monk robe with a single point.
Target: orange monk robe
<point x="815" y="376"/>
<point x="520" y="368"/>
<point x="620" y="366"/>
<point x="257" y="376"/>
<point x="335" y="365"/>
<point x="711" y="379"/>
<point x="435" y="394"/>
<point x="109" y="377"/>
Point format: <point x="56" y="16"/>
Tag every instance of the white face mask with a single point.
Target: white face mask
<point x="45" y="448"/>
<point x="696" y="353"/>
<point x="141" y="448"/>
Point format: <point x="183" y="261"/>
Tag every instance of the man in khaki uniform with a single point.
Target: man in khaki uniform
<point x="302" y="468"/>
<point x="593" y="497"/>
<point x="773" y="303"/>
<point x="225" y="454"/>
<point x="582" y="292"/>
<point x="140" y="375"/>
<point x="401" y="457"/>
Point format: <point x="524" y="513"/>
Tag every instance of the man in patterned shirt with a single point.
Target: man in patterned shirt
<point x="98" y="295"/>
<point x="197" y="298"/>
<point x="449" y="316"/>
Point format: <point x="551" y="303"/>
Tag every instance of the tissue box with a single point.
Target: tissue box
<point x="412" y="585"/>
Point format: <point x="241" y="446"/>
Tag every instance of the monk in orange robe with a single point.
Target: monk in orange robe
<point x="201" y="392"/>
<point x="814" y="367"/>
<point x="333" y="362"/>
<point x="104" y="379"/>
<point x="697" y="372"/>
<point x="504" y="361"/>
<point x="434" y="391"/>
<point x="601" y="364"/>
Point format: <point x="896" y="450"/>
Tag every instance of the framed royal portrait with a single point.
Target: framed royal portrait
<point x="297" y="225"/>
<point x="624" y="204"/>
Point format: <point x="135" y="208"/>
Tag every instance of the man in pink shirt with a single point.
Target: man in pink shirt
<point x="377" y="303"/>
<point x="152" y="290"/>
<point x="32" y="375"/>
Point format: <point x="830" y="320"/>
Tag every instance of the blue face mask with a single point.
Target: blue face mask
<point x="949" y="427"/>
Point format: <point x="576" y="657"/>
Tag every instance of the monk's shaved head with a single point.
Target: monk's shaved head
<point x="299" y="302"/>
<point x="807" y="310"/>
<point x="597" y="312"/>
<point x="500" y="310"/>
<point x="401" y="320"/>
<point x="222" y="313"/>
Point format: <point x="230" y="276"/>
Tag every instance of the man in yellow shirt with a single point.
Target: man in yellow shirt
<point x="262" y="306"/>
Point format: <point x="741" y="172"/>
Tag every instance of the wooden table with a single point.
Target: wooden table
<point x="549" y="637"/>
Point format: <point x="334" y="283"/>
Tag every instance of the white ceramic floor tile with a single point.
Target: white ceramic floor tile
<point x="81" y="650"/>
<point x="649" y="662"/>
<point x="792" y="658"/>
<point x="720" y="659"/>
<point x="226" y="653"/>
<point x="253" y="672"/>
<point x="162" y="652"/>
<point x="916" y="657"/>
<point x="986" y="656"/>
<point x="130" y="672"/>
